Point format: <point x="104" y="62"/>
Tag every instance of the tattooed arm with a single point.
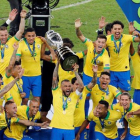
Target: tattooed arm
<point x="78" y="32"/>
<point x="12" y="61"/>
<point x="94" y="79"/>
<point x="55" y="76"/>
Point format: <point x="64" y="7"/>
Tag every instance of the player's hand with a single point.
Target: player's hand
<point x="77" y="137"/>
<point x="130" y="114"/>
<point x="22" y="95"/>
<point x="20" y="74"/>
<point x="13" y="14"/>
<point x="102" y="22"/>
<point x="122" y="137"/>
<point x="15" y="46"/>
<point x="75" y="67"/>
<point x="45" y="124"/>
<point x="136" y="33"/>
<point x="78" y="23"/>
<point x="131" y="28"/>
<point x="95" y="68"/>
<point x="23" y="14"/>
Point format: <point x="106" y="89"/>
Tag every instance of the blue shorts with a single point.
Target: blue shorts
<point x="131" y="137"/>
<point x="136" y="96"/>
<point x="1" y="134"/>
<point x="92" y="130"/>
<point x="87" y="79"/>
<point x="100" y="136"/>
<point x="120" y="79"/>
<point x="33" y="84"/>
<point x="24" y="138"/>
<point x="83" y="135"/>
<point x="62" y="134"/>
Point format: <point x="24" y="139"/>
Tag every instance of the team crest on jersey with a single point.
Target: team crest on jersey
<point x="69" y="99"/>
<point x="6" y="46"/>
<point x="38" y="46"/>
<point x="109" y="122"/>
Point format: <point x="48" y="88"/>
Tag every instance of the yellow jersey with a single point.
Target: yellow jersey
<point x="119" y="61"/>
<point x="17" y="128"/>
<point x="69" y="75"/>
<point x="3" y="123"/>
<point x="134" y="120"/>
<point x="110" y="127"/>
<point x="103" y="61"/>
<point x="79" y="114"/>
<point x="30" y="63"/>
<point x="8" y="51"/>
<point x="63" y="119"/>
<point x="14" y="91"/>
<point x="98" y="94"/>
<point x="136" y="66"/>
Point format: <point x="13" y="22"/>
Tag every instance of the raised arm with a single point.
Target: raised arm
<point x="12" y="61"/>
<point x="10" y="85"/>
<point x="22" y="25"/>
<point x="94" y="78"/>
<point x="80" y="82"/>
<point x="11" y="17"/>
<point x="50" y="57"/>
<point x="55" y="76"/>
<point x="78" y="32"/>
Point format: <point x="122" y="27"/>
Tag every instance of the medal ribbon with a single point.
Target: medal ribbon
<point x="106" y="91"/>
<point x="64" y="103"/>
<point x="32" y="52"/>
<point x="2" y="51"/>
<point x="121" y="120"/>
<point x="102" y="123"/>
<point x="120" y="44"/>
<point x="19" y="88"/>
<point x="8" y="121"/>
<point x="95" y="58"/>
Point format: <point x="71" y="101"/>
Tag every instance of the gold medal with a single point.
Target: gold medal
<point x="64" y="112"/>
<point x="1" y="60"/>
<point x="103" y="129"/>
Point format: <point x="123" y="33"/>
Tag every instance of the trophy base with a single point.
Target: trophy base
<point x="67" y="63"/>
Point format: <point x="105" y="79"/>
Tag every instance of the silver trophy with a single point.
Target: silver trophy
<point x="65" y="55"/>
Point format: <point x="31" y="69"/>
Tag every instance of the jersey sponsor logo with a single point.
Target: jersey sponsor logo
<point x="38" y="46"/>
<point x="69" y="99"/>
<point x="6" y="46"/>
<point x="109" y="122"/>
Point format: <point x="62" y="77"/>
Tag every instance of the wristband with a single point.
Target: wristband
<point x="8" y="21"/>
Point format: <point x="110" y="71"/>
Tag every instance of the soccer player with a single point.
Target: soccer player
<point x="131" y="112"/>
<point x="26" y="114"/>
<point x="105" y="120"/>
<point x="29" y="52"/>
<point x="64" y="102"/>
<point x="118" y="45"/>
<point x="12" y="71"/>
<point x="135" y="57"/>
<point x="96" y="55"/>
<point x="6" y="44"/>
<point x="79" y="114"/>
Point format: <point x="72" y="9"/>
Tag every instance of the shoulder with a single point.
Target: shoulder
<point x="115" y="114"/>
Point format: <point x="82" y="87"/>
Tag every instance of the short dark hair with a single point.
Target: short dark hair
<point x="0" y="76"/>
<point x="3" y="28"/>
<point x="103" y="102"/>
<point x="8" y="103"/>
<point x="117" y="22"/>
<point x="29" y="30"/>
<point x="102" y="36"/>
<point x="17" y="63"/>
<point x="74" y="79"/>
<point x="65" y="80"/>
<point x="68" y="42"/>
<point x="126" y="94"/>
<point x="105" y="73"/>
<point x="108" y="27"/>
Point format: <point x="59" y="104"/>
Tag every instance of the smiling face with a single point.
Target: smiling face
<point x="100" y="44"/>
<point x="125" y="101"/>
<point x="11" y="109"/>
<point x="66" y="88"/>
<point x="116" y="31"/>
<point x="33" y="107"/>
<point x="104" y="81"/>
<point x="3" y="36"/>
<point x="30" y="37"/>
